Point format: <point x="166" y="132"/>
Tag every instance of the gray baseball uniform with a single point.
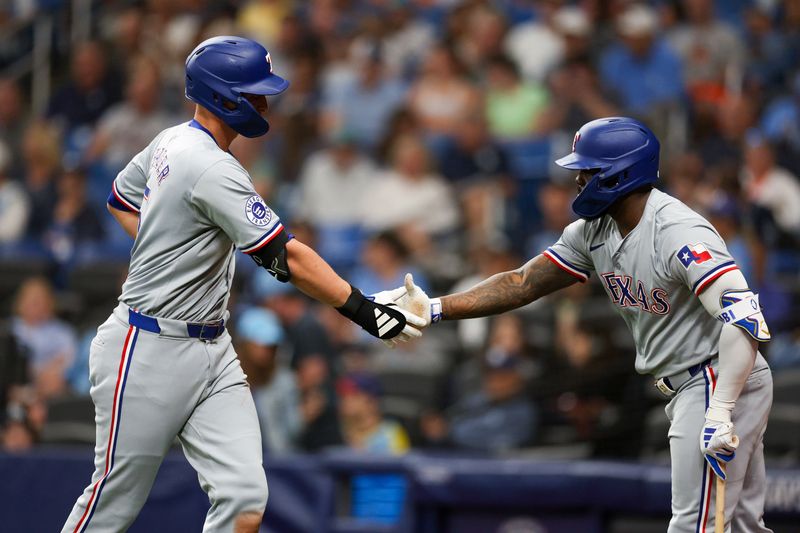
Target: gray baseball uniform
<point x="162" y="366"/>
<point x="654" y="276"/>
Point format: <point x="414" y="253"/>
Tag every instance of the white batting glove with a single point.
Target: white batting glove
<point x="416" y="301"/>
<point x="718" y="442"/>
<point x="414" y="322"/>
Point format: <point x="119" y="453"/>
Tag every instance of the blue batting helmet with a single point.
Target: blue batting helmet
<point x="222" y="70"/>
<point x="625" y="154"/>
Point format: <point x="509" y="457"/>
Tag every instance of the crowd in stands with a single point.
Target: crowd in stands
<point x="416" y="136"/>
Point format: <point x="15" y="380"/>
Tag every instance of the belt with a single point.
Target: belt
<point x="173" y="328"/>
<point x="669" y="385"/>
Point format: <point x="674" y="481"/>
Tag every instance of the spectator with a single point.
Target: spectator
<point x="384" y="263"/>
<point x="641" y="68"/>
<point x="780" y="123"/>
<point x="91" y="91"/>
<point x="497" y="417"/>
<point x="13" y="122"/>
<point x="409" y="195"/>
<point x="725" y="215"/>
<point x="14" y="206"/>
<point x="540" y="35"/>
<point x="363" y="103"/>
<point x="42" y="155"/>
<point x="773" y="190"/>
<point x="116" y="142"/>
<point x="332" y="181"/>
<point x="51" y="343"/>
<point x="75" y="224"/>
<point x="274" y="387"/>
<point x="513" y="106"/>
<point x="482" y="38"/>
<point x="478" y="168"/>
<point x="441" y="95"/>
<point x="712" y="53"/>
<point x="576" y="98"/>
<point x="312" y="357"/>
<point x="363" y="425"/>
<point x="405" y="39"/>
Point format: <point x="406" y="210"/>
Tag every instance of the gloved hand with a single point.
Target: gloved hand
<point x="383" y="320"/>
<point x="416" y="301"/>
<point x="412" y="329"/>
<point x="718" y="442"/>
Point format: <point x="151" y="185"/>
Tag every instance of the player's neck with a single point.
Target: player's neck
<point x="222" y="133"/>
<point x="629" y="210"/>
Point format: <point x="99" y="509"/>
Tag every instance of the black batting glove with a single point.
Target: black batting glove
<point x="383" y="321"/>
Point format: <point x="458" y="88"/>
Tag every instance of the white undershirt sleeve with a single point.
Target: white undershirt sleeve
<point x="737" y="349"/>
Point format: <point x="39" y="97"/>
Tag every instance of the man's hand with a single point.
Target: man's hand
<point x="718" y="442"/>
<point x="386" y="321"/>
<point x="416" y="301"/>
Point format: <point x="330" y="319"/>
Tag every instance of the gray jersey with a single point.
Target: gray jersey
<point x="196" y="205"/>
<point x="653" y="277"/>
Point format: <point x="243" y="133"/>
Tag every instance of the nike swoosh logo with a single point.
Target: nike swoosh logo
<point x="595" y="247"/>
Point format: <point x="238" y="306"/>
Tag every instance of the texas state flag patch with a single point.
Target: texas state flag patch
<point x="694" y="253"/>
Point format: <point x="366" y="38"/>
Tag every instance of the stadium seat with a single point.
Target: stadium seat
<point x="655" y="446"/>
<point x="70" y="420"/>
<point x="786" y="388"/>
<point x="97" y="283"/>
<point x="15" y="270"/>
<point x="782" y="439"/>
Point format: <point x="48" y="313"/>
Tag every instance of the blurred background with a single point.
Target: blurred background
<point x="416" y="135"/>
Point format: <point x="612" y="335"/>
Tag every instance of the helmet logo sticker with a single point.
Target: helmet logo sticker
<point x="257" y="211"/>
<point x="269" y="62"/>
<point x="576" y="139"/>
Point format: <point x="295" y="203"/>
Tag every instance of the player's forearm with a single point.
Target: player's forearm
<point x="312" y="275"/>
<point x="737" y="355"/>
<point x="128" y="220"/>
<point x="507" y="290"/>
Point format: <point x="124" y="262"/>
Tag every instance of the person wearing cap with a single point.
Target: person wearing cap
<point x="273" y="385"/>
<point x="363" y="425"/>
<point x="641" y="67"/>
<point x="499" y="416"/>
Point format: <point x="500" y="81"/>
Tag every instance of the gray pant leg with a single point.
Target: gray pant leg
<point x="134" y="384"/>
<point x="693" y="492"/>
<point x="750" y="419"/>
<point x="222" y="441"/>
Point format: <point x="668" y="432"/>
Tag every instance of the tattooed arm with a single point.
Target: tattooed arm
<point x="507" y="290"/>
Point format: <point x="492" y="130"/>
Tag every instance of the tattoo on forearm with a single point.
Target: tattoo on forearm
<point x="507" y="290"/>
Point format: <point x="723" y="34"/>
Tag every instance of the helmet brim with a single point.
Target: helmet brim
<point x="270" y="85"/>
<point x="575" y="161"/>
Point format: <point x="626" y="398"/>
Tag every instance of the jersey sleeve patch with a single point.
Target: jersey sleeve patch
<point x="257" y="211"/>
<point x="692" y="254"/>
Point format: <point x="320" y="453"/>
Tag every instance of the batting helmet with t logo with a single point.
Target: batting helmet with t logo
<point x="622" y="151"/>
<point x="221" y="71"/>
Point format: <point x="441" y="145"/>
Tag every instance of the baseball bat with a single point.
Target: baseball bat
<point x="719" y="510"/>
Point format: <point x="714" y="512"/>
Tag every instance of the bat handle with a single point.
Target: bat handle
<point x="719" y="507"/>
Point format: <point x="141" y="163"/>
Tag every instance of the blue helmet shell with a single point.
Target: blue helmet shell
<point x="225" y="69"/>
<point x="625" y="153"/>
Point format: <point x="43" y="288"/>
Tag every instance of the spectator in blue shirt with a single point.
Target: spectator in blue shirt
<point x="641" y="68"/>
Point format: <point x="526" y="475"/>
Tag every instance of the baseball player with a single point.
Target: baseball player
<point x="695" y="321"/>
<point x="162" y="366"/>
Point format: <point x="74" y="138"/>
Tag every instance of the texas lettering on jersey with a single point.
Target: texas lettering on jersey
<point x="626" y="293"/>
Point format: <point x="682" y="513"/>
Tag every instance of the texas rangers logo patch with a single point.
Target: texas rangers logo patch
<point x="694" y="253"/>
<point x="257" y="211"/>
<point x="575" y="140"/>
